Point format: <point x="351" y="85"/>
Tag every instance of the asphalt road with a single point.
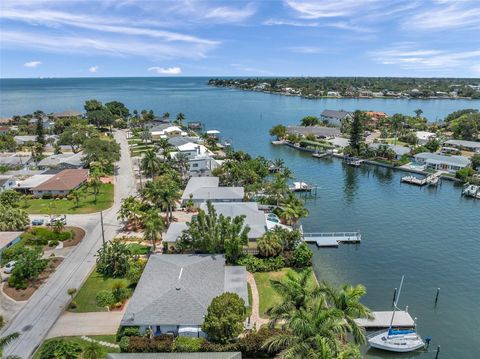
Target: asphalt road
<point x="43" y="309"/>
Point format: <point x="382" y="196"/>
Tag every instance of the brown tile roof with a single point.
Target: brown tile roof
<point x="64" y="180"/>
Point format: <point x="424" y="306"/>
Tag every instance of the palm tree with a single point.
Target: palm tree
<point x="270" y="244"/>
<point x="311" y="332"/>
<point x="163" y="192"/>
<point x="4" y="341"/>
<point x="297" y="292"/>
<point x="130" y="210"/>
<point x="181" y="163"/>
<point x="150" y="163"/>
<point x="153" y="226"/>
<point x="145" y="135"/>
<point x="75" y="195"/>
<point x="92" y="350"/>
<point x="347" y="300"/>
<point x="180" y="118"/>
<point x="165" y="146"/>
<point x="95" y="184"/>
<point x="292" y="210"/>
<point x="166" y="115"/>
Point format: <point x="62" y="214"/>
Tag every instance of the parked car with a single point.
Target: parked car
<point x="62" y="219"/>
<point x="9" y="267"/>
<point x="38" y="222"/>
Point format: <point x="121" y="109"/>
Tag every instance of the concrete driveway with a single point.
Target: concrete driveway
<point x="43" y="309"/>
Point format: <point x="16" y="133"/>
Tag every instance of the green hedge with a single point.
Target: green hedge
<point x="255" y="264"/>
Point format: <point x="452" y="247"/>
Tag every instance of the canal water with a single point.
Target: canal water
<point x="430" y="235"/>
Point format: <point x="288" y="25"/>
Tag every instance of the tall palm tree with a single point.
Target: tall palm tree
<point x="292" y="210"/>
<point x="153" y="226"/>
<point x="163" y="192"/>
<point x="165" y="146"/>
<point x="145" y="135"/>
<point x="4" y="341"/>
<point x="180" y="118"/>
<point x="130" y="210"/>
<point x="150" y="163"/>
<point x="297" y="292"/>
<point x="311" y="332"/>
<point x="347" y="299"/>
<point x="95" y="184"/>
<point x="75" y="195"/>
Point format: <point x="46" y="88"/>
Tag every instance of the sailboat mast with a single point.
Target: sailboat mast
<point x="395" y="304"/>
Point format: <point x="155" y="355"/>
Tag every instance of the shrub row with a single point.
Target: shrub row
<point x="255" y="264"/>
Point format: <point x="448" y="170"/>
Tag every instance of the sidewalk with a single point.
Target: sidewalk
<point x="255" y="318"/>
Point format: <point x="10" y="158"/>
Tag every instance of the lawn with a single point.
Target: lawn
<point x="86" y="202"/>
<point x="268" y="296"/>
<point x="85" y="297"/>
<point x="83" y="344"/>
<point x="138" y="249"/>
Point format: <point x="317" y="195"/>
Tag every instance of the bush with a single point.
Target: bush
<point x="59" y="348"/>
<point x="47" y="196"/>
<point x="124" y="343"/>
<point x="105" y="298"/>
<point x="53" y="243"/>
<point x="255" y="264"/>
<point x="251" y="344"/>
<point x="214" y="347"/>
<point x="188" y="344"/>
<point x="127" y="332"/>
<point x="160" y="344"/>
<point x="302" y="256"/>
<point x="464" y="173"/>
<point x="2" y="322"/>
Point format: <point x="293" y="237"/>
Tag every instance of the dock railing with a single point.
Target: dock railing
<point x="341" y="236"/>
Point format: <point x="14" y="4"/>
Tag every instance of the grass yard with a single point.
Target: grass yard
<point x="85" y="297"/>
<point x="86" y="202"/>
<point x="138" y="249"/>
<point x="268" y="296"/>
<point x="249" y="307"/>
<point x="83" y="344"/>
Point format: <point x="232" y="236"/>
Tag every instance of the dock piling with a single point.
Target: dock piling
<point x="436" y="296"/>
<point x="437" y="355"/>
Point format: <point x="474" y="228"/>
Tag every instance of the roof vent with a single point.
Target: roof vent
<point x="179" y="278"/>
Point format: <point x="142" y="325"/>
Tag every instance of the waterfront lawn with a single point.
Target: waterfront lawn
<point x="85" y="298"/>
<point x="268" y="296"/>
<point x="86" y="203"/>
<point x="83" y="344"/>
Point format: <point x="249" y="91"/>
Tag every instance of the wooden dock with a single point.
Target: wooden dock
<point x="431" y="180"/>
<point x="332" y="239"/>
<point x="382" y="319"/>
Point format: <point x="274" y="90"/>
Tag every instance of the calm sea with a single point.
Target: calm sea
<point x="430" y="235"/>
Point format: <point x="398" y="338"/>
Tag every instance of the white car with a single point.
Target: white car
<point x="62" y="219"/>
<point x="9" y="267"/>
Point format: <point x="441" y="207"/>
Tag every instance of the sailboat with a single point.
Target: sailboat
<point x="395" y="340"/>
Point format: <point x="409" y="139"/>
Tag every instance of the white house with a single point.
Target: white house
<point x="424" y="136"/>
<point x="166" y="131"/>
<point x="441" y="162"/>
<point x="199" y="157"/>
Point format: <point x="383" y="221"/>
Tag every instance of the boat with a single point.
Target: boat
<point x="300" y="187"/>
<point x="396" y="340"/>
<point x="471" y="190"/>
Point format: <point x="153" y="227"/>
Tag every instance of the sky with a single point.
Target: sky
<point x="90" y="38"/>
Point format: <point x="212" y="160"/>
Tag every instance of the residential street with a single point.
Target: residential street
<point x="35" y="319"/>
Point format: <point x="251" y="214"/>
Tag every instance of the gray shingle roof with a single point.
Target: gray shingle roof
<point x="177" y="290"/>
<point x="178" y="141"/>
<point x="204" y="355"/>
<point x="399" y="150"/>
<point x="206" y="188"/>
<point x="174" y="231"/>
<point x="254" y="218"/>
<point x="72" y="159"/>
<point x="463" y="143"/>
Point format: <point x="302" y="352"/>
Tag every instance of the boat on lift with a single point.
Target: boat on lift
<point x="396" y="340"/>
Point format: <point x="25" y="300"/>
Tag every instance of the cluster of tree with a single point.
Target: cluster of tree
<point x="212" y="233"/>
<point x="29" y="264"/>
<point x="69" y="349"/>
<point x="465" y="124"/>
<point x="108" y="115"/>
<point x="353" y="86"/>
<point x="317" y="321"/>
<point x="12" y="218"/>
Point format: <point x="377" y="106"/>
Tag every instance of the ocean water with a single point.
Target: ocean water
<point x="430" y="235"/>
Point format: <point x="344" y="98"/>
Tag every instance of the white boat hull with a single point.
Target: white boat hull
<point x="396" y="343"/>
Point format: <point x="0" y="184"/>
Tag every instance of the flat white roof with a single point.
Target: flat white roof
<point x="33" y="181"/>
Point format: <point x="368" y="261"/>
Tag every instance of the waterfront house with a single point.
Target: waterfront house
<point x="62" y="183"/>
<point x="175" y="290"/>
<point x="441" y="162"/>
<point x="8" y="239"/>
<point x="203" y="189"/>
<point x="375" y="117"/>
<point x="424" y="136"/>
<point x="400" y="151"/>
<point x="473" y="146"/>
<point x="317" y="131"/>
<point x="166" y="130"/>
<point x="193" y="355"/>
<point x="62" y="161"/>
<point x="199" y="157"/>
<point x="67" y="114"/>
<point x="336" y="117"/>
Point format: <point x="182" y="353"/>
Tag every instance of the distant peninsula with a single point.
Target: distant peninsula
<point x="359" y="87"/>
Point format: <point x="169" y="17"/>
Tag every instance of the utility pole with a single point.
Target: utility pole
<point x="103" y="231"/>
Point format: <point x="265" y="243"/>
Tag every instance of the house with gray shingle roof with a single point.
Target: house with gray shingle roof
<point x="335" y="117"/>
<point x="441" y="162"/>
<point x="175" y="291"/>
<point x="203" y="189"/>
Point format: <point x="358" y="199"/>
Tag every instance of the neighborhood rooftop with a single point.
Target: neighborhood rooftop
<point x="335" y="114"/>
<point x="177" y="289"/>
<point x="174" y="231"/>
<point x="64" y="180"/>
<point x="436" y="158"/>
<point x="318" y="131"/>
<point x="462" y="143"/>
<point x="206" y="188"/>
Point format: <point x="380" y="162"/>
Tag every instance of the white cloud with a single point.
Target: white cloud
<point x="306" y="49"/>
<point x="408" y="56"/>
<point x="327" y="8"/>
<point x="93" y="69"/>
<point x="228" y="14"/>
<point x="32" y="63"/>
<point x="453" y="16"/>
<point x="251" y="70"/>
<point x="166" y="70"/>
